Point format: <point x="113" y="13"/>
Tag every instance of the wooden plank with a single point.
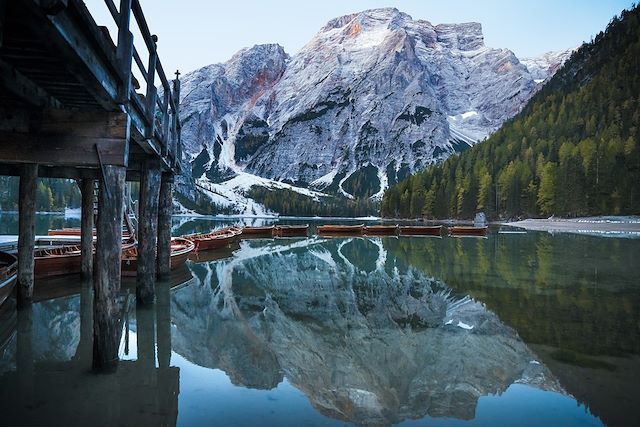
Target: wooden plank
<point x="88" y="123"/>
<point x="147" y="233"/>
<point x="86" y="53"/>
<point x="106" y="309"/>
<point x="22" y="87"/>
<point x="165" y="207"/>
<point x="86" y="228"/>
<point x="26" y="233"/>
<point x="61" y="150"/>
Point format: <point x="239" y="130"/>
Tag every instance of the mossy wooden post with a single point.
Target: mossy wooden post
<point x="164" y="226"/>
<point x="26" y="232"/>
<point x="147" y="233"/>
<point x="106" y="309"/>
<point x="86" y="229"/>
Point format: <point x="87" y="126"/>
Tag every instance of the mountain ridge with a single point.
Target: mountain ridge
<point x="371" y="98"/>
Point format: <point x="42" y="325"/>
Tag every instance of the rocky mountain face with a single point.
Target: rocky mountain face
<point x="546" y="65"/>
<point x="373" y="97"/>
<point x="361" y="350"/>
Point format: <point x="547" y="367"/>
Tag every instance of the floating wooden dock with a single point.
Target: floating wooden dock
<point x="70" y="108"/>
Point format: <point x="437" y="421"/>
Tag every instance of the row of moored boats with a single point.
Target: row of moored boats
<point x="56" y="260"/>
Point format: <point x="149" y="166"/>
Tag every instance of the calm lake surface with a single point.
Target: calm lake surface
<point x="513" y="329"/>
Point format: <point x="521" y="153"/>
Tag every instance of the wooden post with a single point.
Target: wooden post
<point x="164" y="226"/>
<point x="152" y="91"/>
<point x="106" y="309"/>
<point x="147" y="233"/>
<point x="86" y="228"/>
<point x="26" y="233"/>
<point x="124" y="51"/>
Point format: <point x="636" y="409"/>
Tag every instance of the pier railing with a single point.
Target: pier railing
<point x="155" y="112"/>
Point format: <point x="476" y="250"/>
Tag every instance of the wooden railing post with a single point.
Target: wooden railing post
<point x="152" y="91"/>
<point x="165" y="121"/>
<point x="176" y="143"/>
<point x="124" y="51"/>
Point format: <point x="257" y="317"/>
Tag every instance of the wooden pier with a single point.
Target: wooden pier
<point x="69" y="108"/>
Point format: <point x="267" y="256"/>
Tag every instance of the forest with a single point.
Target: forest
<point x="51" y="194"/>
<point x="572" y="151"/>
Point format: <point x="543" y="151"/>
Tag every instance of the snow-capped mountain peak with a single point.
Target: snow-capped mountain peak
<point x="372" y="97"/>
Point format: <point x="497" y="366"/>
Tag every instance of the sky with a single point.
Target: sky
<point x="194" y="33"/>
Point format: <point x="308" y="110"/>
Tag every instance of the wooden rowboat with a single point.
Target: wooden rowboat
<point x="8" y="275"/>
<point x="420" y="230"/>
<point x="57" y="261"/>
<point x="180" y="250"/>
<point x="468" y="231"/>
<point x="340" y="229"/>
<point x="258" y="231"/>
<point x="62" y="260"/>
<point x="215" y="239"/>
<point x="290" y="230"/>
<point x="381" y="229"/>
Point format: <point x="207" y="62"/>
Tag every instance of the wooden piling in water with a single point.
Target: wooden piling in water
<point x="26" y="232"/>
<point x="165" y="206"/>
<point x="86" y="228"/>
<point x="106" y="308"/>
<point x="147" y="233"/>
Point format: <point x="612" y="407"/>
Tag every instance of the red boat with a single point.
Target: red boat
<point x="381" y="229"/>
<point x="61" y="260"/>
<point x="8" y="275"/>
<point x="468" y="231"/>
<point x="291" y="230"/>
<point x="420" y="230"/>
<point x="180" y="250"/>
<point x="340" y="229"/>
<point x="257" y="231"/>
<point x="215" y="239"/>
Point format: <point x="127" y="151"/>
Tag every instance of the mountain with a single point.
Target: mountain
<point x="373" y="97"/>
<point x="546" y="65"/>
<point x="572" y="151"/>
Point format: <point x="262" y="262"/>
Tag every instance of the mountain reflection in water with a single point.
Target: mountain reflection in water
<point x="326" y="331"/>
<point x="366" y="339"/>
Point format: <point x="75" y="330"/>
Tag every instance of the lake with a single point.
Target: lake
<point x="512" y="329"/>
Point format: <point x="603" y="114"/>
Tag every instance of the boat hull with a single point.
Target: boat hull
<point x="291" y="231"/>
<point x="381" y="230"/>
<point x="257" y="231"/>
<point x="8" y="275"/>
<point x="179" y="255"/>
<point x="468" y="231"/>
<point x="420" y="230"/>
<point x="340" y="229"/>
<point x="57" y="265"/>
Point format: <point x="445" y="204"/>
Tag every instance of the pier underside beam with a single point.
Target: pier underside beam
<point x="148" y="233"/>
<point x="26" y="233"/>
<point x="86" y="228"/>
<point x="164" y="226"/>
<point x="106" y="309"/>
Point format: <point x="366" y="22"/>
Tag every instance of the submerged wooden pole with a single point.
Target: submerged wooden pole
<point x="147" y="233"/>
<point x="164" y="226"/>
<point x="106" y="286"/>
<point x="86" y="228"/>
<point x="26" y="233"/>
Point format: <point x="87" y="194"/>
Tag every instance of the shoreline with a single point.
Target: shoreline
<point x="627" y="226"/>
